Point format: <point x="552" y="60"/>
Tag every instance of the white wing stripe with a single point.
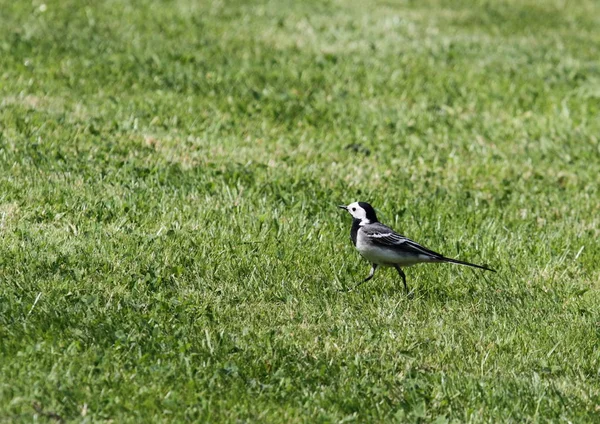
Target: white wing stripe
<point x="397" y="240"/>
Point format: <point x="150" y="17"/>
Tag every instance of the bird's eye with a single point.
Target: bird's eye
<point x="353" y="209"/>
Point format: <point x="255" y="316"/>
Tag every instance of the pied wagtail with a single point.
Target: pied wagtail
<point x="381" y="245"/>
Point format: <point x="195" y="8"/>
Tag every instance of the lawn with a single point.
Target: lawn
<point x="170" y="245"/>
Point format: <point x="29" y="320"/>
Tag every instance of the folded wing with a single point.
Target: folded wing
<point x="383" y="236"/>
<point x="386" y="237"/>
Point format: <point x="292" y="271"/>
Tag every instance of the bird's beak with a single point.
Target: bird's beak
<point x="343" y="207"/>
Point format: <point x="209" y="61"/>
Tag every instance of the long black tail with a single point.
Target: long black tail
<point x="456" y="261"/>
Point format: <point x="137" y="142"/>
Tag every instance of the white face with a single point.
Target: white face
<point x="356" y="211"/>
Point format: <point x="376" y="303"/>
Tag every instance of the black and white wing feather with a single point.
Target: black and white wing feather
<point x="384" y="236"/>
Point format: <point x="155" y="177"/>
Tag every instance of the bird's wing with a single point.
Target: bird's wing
<point x="384" y="236"/>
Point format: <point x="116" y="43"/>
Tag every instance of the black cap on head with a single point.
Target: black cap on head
<point x="371" y="215"/>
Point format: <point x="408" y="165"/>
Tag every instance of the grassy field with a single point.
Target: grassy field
<point x="170" y="246"/>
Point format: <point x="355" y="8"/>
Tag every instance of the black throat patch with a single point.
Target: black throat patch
<point x="354" y="230"/>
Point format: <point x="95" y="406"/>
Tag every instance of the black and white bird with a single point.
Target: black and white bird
<point x="382" y="246"/>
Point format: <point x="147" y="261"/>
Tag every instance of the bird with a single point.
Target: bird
<point x="382" y="246"/>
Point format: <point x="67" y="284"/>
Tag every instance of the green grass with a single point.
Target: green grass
<point x="170" y="248"/>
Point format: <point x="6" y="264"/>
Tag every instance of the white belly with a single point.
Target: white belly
<point x="387" y="257"/>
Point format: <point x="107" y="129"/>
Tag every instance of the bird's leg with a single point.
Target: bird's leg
<point x="371" y="274"/>
<point x="403" y="277"/>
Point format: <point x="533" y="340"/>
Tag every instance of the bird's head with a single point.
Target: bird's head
<point x="361" y="211"/>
